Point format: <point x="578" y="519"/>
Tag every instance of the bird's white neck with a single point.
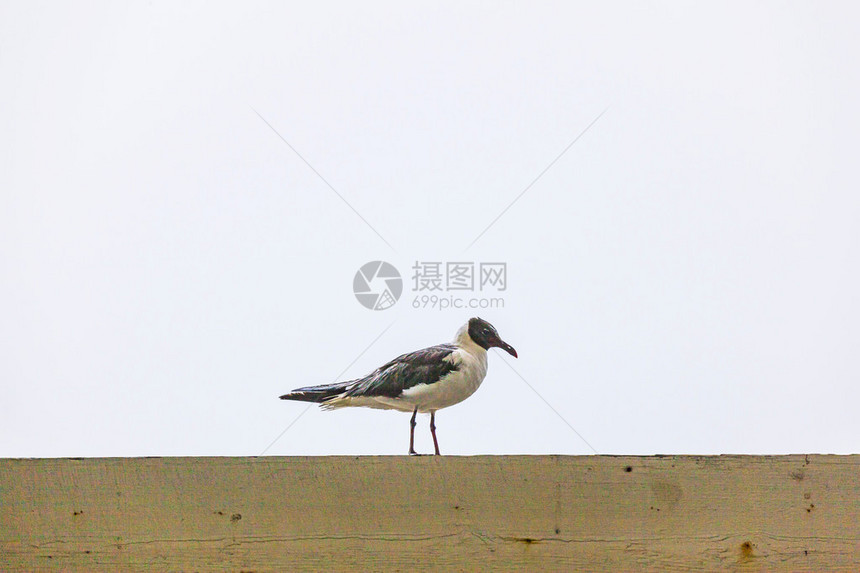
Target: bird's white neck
<point x="464" y="341"/>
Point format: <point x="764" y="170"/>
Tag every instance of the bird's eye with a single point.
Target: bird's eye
<point x="486" y="331"/>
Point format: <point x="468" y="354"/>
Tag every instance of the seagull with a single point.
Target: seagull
<point x="422" y="381"/>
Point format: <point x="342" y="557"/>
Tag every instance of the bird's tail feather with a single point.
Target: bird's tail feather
<point x="317" y="394"/>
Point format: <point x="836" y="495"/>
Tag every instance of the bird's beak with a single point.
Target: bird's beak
<point x="505" y="346"/>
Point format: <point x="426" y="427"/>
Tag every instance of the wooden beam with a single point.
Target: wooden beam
<point x="666" y="513"/>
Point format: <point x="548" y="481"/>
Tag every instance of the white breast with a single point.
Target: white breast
<point x="452" y="389"/>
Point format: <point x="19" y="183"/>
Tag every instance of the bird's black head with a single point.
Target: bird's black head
<point x="484" y="334"/>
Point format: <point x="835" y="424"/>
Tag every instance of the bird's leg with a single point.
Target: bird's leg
<point x="433" y="430"/>
<point x="412" y="451"/>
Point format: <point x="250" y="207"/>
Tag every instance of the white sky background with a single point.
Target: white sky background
<point x="683" y="280"/>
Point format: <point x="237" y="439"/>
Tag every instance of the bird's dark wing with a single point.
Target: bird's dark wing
<point x="317" y="394"/>
<point x="420" y="367"/>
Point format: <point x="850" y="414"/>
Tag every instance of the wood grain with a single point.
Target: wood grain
<point x="666" y="513"/>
